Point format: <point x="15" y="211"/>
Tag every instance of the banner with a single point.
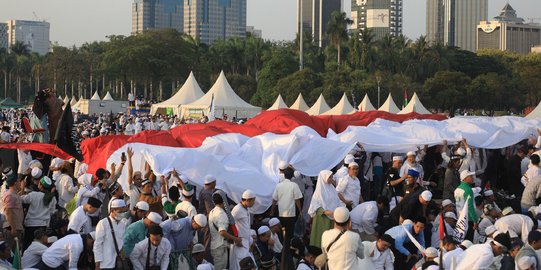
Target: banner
<point x="462" y="223"/>
<point x="414" y="241"/>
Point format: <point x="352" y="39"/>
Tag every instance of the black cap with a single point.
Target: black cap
<point x="94" y="202"/>
<point x="504" y="239"/>
<point x="534" y="236"/>
<point x="387" y="238"/>
<point x="448" y="239"/>
<point x="314" y="251"/>
<point x="155" y="230"/>
<point x="267" y="261"/>
<point x="247" y="263"/>
<point x="114" y="187"/>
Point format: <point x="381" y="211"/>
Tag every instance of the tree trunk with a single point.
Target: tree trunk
<point x="121" y="89"/>
<point x="5" y="84"/>
<point x="103" y="81"/>
<point x="65" y="86"/>
<point x="338" y="53"/>
<point x="161" y="91"/>
<point x="145" y="92"/>
<point x="54" y="79"/>
<point x="151" y="90"/>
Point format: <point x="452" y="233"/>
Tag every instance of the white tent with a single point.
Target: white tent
<point x="342" y="107"/>
<point x="73" y="102"/>
<point x="188" y="93"/>
<point x="319" y="107"/>
<point x="95" y="96"/>
<point x="300" y="104"/>
<point x="278" y="104"/>
<point x="536" y="113"/>
<point x="108" y="97"/>
<point x="389" y="105"/>
<point x="366" y="105"/>
<point x="66" y="100"/>
<point x="415" y="105"/>
<point x="224" y="100"/>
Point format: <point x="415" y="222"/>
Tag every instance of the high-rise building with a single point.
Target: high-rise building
<point x="316" y="15"/>
<point x="255" y="32"/>
<point x="157" y="14"/>
<point x="34" y="34"/>
<point x="211" y="20"/>
<point x="3" y="35"/>
<point x="434" y="21"/>
<point x="508" y="32"/>
<point x="383" y="17"/>
<point x="460" y="19"/>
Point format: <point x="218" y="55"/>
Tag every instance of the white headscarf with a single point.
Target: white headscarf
<point x="325" y="195"/>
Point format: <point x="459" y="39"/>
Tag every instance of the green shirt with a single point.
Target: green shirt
<point x="468" y="192"/>
<point x="134" y="234"/>
<point x="169" y="207"/>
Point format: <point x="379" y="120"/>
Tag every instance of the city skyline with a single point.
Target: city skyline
<point x="102" y="18"/>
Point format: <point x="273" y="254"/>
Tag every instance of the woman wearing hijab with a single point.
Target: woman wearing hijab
<point x="42" y="204"/>
<point x="324" y="201"/>
<point x="86" y="190"/>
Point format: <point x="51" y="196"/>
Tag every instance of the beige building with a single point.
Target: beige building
<point x="34" y="34"/>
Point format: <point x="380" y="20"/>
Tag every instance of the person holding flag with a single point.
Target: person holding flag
<point x="464" y="198"/>
<point x="409" y="243"/>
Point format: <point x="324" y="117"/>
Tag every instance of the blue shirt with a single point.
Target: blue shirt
<point x="401" y="237"/>
<point x="179" y="232"/>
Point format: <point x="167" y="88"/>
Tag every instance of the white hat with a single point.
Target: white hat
<point x="450" y="215"/>
<point x="142" y="205"/>
<point x="93" y="235"/>
<point x="103" y="130"/>
<point x="353" y="164"/>
<point x="187" y="193"/>
<point x="507" y="210"/>
<point x="35" y="163"/>
<point x="426" y="195"/>
<point x="488" y="192"/>
<point x="410" y="153"/>
<point x="297" y="174"/>
<point x="209" y="179"/>
<point x="36" y="172"/>
<point x="56" y="162"/>
<point x="253" y="232"/>
<point x="263" y="229"/>
<point x="201" y="220"/>
<point x="464" y="174"/>
<point x="85" y="133"/>
<point x="526" y="262"/>
<point x="533" y="210"/>
<point x="349" y="158"/>
<point x="118" y="203"/>
<point x="154" y="217"/>
<point x="397" y="158"/>
<point x="248" y="194"/>
<point x="431" y="252"/>
<point x="460" y="151"/>
<point x="490" y="230"/>
<point x="198" y="248"/>
<point x="467" y="243"/>
<point x="446" y="202"/>
<point x="341" y="214"/>
<point x="273" y="222"/>
<point x="407" y="221"/>
<point x="51" y="239"/>
<point x="282" y="165"/>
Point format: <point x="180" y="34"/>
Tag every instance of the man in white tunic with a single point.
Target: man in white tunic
<point x="364" y="218"/>
<point x="349" y="187"/>
<point x="80" y="218"/>
<point x="411" y="163"/>
<point x="241" y="215"/>
<point x="378" y="254"/>
<point x="481" y="256"/>
<point x="105" y="249"/>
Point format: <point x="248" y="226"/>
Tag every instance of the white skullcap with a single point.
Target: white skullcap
<point x="35" y="164"/>
<point x="407" y="221"/>
<point x="56" y="162"/>
<point x="282" y="165"/>
<point x="187" y="193"/>
<point x="460" y="151"/>
<point x="397" y="158"/>
<point x="476" y="191"/>
<point x="467" y="243"/>
<point x="253" y="233"/>
<point x="154" y="217"/>
<point x="526" y="262"/>
<point x="446" y="202"/>
<point x="118" y="203"/>
<point x="248" y="194"/>
<point x="349" y="158"/>
<point x="198" y="248"/>
<point x="431" y="252"/>
<point x="201" y="220"/>
<point x="103" y="130"/>
<point x="36" y="172"/>
<point x="52" y="239"/>
<point x="464" y="174"/>
<point x="426" y="195"/>
<point x="490" y="230"/>
<point x="273" y="222"/>
<point x="93" y="235"/>
<point x="142" y="205"/>
<point x="263" y="229"/>
<point x="433" y="267"/>
<point x="507" y="210"/>
<point x="410" y="153"/>
<point x="450" y="215"/>
<point x="341" y="214"/>
<point x="209" y="179"/>
<point x="296" y="174"/>
<point x="85" y="132"/>
<point x="488" y="192"/>
<point x="353" y="164"/>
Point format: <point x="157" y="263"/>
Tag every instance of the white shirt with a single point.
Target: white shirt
<point x="24" y="160"/>
<point x="532" y="172"/>
<point x="218" y="221"/>
<point x="38" y="213"/>
<point x="277" y="248"/>
<point x="86" y="192"/>
<point x="104" y="247"/>
<point x="66" y="190"/>
<point x="379" y="261"/>
<point x="514" y="225"/>
<point x="285" y="194"/>
<point x="138" y="256"/>
<point x="129" y="129"/>
<point x="350" y="188"/>
<point x="187" y="207"/>
<point x="453" y="255"/>
<point x="242" y="222"/>
<point x="66" y="249"/>
<point x="476" y="257"/>
<point x="364" y="217"/>
<point x="407" y="166"/>
<point x="5" y="136"/>
<point x="32" y="255"/>
<point x="79" y="221"/>
<point x="341" y="173"/>
<point x="345" y="252"/>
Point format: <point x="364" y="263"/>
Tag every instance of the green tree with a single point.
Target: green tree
<point x="446" y="90"/>
<point x="337" y="30"/>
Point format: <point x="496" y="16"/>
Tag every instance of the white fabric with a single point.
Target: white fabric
<point x="104" y="246"/>
<point x="451" y="256"/>
<point x="187" y="207"/>
<point x="477" y="257"/>
<point x="278" y="104"/>
<point x="66" y="250"/>
<point x="24" y="159"/>
<point x="38" y="213"/>
<point x="218" y="221"/>
<point x="517" y="225"/>
<point x="319" y="107"/>
<point x="285" y="194"/>
<point x="364" y="217"/>
<point x="532" y="172"/>
<point x="325" y="195"/>
<point x="66" y="189"/>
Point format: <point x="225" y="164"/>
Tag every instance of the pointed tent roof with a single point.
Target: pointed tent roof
<point x="95" y="96"/>
<point x="66" y="100"/>
<point x="8" y="103"/>
<point x="415" y="105"/>
<point x="73" y="102"/>
<point x="536" y="113"/>
<point x="366" y="105"/>
<point x="342" y="107"/>
<point x="108" y="97"/>
<point x="278" y="104"/>
<point x="300" y="104"/>
<point x="389" y="105"/>
<point x="188" y="93"/>
<point x="319" y="107"/>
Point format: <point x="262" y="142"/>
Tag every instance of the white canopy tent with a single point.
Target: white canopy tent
<point x="278" y="104"/>
<point x="415" y="105"/>
<point x="73" y="102"/>
<point x="366" y="105"/>
<point x="108" y="97"/>
<point x="319" y="107"/>
<point x="389" y="105"/>
<point x="224" y="100"/>
<point x="66" y="100"/>
<point x="342" y="107"/>
<point x="95" y="96"/>
<point x="536" y="113"/>
<point x="300" y="104"/>
<point x="188" y="93"/>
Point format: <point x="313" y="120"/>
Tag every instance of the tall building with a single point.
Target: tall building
<point x="460" y="19"/>
<point x="254" y="31"/>
<point x="383" y="17"/>
<point x="316" y="15"/>
<point x="3" y="35"/>
<point x="157" y="14"/>
<point x="34" y="34"/>
<point x="211" y="20"/>
<point x="508" y="32"/>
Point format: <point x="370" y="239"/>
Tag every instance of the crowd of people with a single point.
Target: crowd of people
<point x="372" y="211"/>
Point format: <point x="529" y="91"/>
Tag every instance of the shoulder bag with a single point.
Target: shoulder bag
<point x="120" y="263"/>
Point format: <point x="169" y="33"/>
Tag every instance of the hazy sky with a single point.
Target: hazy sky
<point x="79" y="21"/>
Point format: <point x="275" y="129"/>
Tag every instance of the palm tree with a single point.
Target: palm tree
<point x="21" y="51"/>
<point x="367" y="42"/>
<point x="337" y="30"/>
